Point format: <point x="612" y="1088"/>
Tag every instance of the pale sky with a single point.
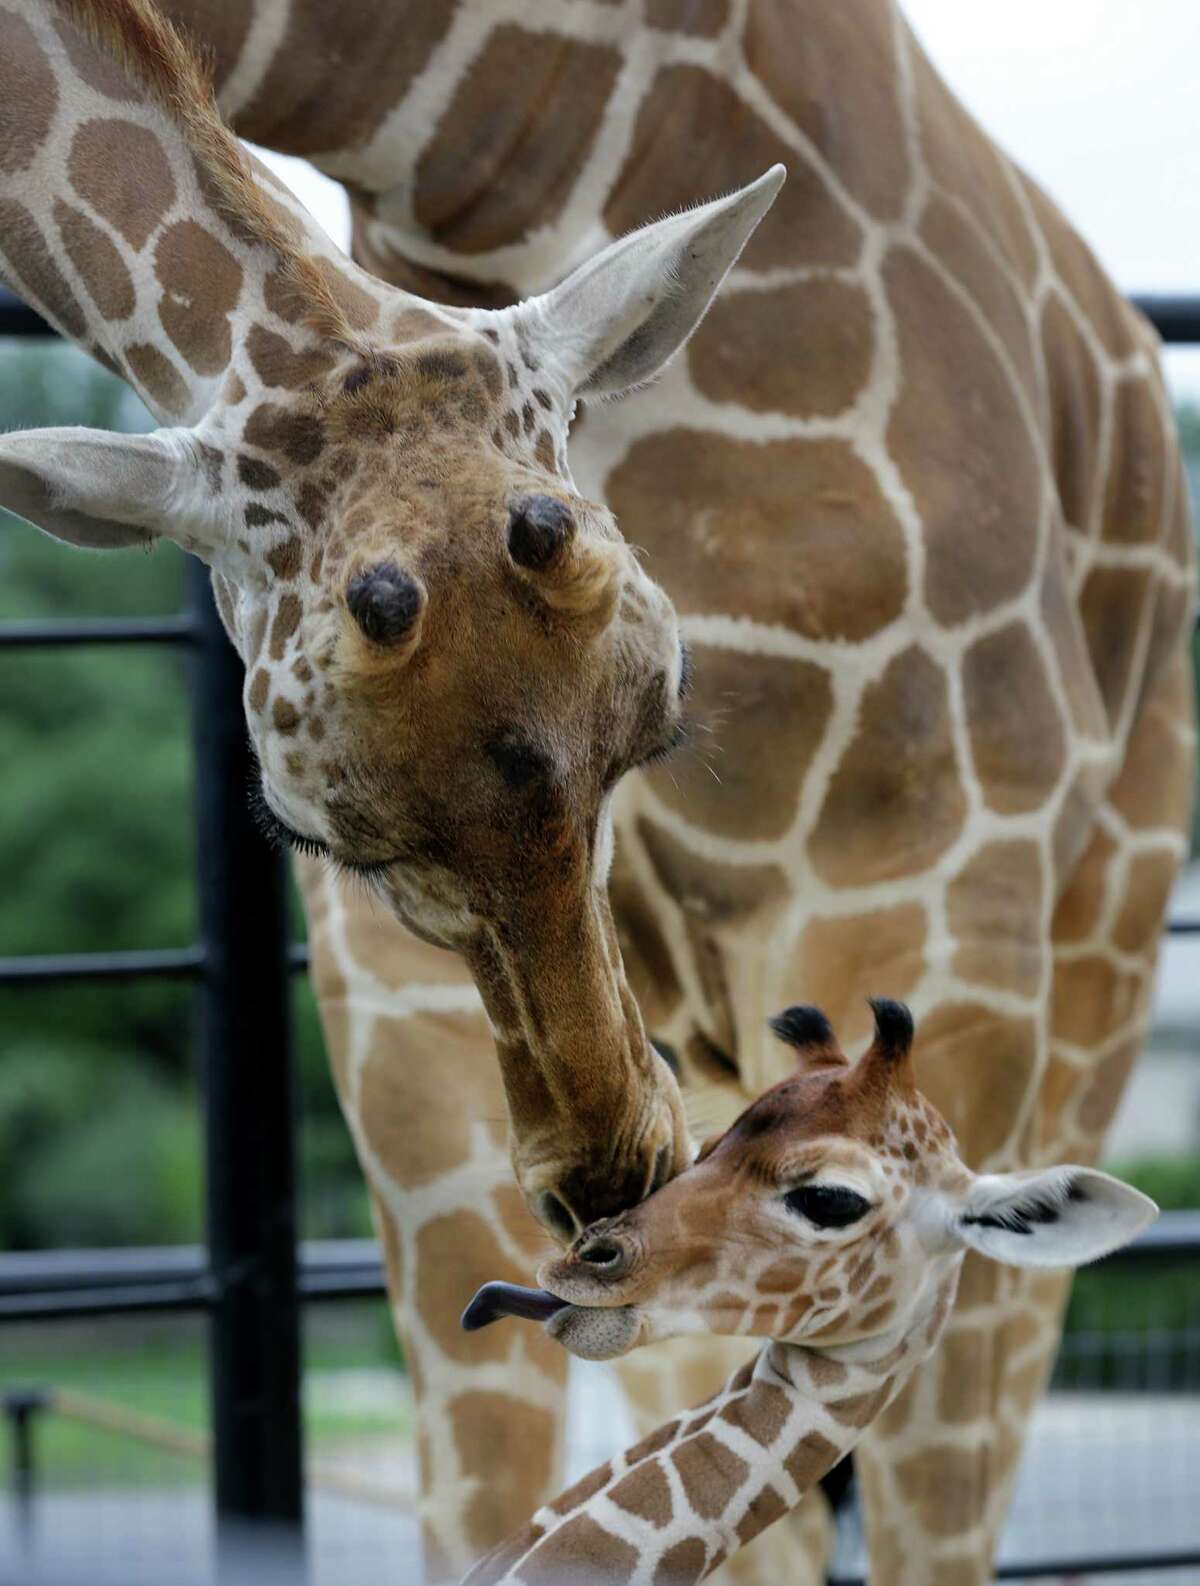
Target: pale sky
<point x="1096" y="98"/>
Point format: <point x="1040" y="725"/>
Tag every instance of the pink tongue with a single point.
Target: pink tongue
<point x="495" y="1300"/>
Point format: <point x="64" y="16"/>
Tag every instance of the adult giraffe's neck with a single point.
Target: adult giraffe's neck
<point x="132" y="221"/>
<point x="680" y="1502"/>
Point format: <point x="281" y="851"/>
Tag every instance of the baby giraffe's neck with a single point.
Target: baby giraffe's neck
<point x="672" y="1508"/>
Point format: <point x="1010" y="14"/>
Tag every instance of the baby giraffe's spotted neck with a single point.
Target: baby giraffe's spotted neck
<point x="832" y="1219"/>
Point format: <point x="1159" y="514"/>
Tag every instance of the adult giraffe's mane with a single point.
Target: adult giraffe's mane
<point x="153" y="54"/>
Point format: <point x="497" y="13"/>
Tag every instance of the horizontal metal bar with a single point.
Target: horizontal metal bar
<point x="1183" y="927"/>
<point x="1062" y="1568"/>
<point x="1175" y="316"/>
<point x="44" y="1285"/>
<point x="169" y="963"/>
<point x="100" y="630"/>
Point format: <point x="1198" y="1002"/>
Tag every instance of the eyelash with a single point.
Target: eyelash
<point x="664" y="751"/>
<point x="280" y="835"/>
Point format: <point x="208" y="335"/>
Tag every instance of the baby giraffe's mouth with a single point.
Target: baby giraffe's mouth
<point x="591" y="1332"/>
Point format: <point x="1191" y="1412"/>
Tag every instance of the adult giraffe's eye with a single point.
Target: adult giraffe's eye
<point x="827" y="1205"/>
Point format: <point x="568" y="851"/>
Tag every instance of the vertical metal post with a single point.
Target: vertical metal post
<point x="249" y="1116"/>
<point x="22" y="1406"/>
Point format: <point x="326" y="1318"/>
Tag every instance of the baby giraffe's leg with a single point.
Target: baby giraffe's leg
<point x="663" y="1379"/>
<point x="938" y="1466"/>
<point x="418" y="1081"/>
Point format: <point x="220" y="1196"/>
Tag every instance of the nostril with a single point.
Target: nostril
<point x="556" y="1215"/>
<point x="662" y="1168"/>
<point x="605" y="1253"/>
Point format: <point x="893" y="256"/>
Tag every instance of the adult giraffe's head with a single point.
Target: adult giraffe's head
<point x="451" y="657"/>
<point x="833" y="1213"/>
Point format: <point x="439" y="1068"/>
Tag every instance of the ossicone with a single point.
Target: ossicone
<point x="810" y="1033"/>
<point x="575" y="574"/>
<point x="539" y="531"/>
<point x="386" y="603"/>
<point x="893" y="1028"/>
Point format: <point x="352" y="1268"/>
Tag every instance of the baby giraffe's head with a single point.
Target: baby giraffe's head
<point x="834" y="1212"/>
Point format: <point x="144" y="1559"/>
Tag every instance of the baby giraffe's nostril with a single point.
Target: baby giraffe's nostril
<point x="605" y="1253"/>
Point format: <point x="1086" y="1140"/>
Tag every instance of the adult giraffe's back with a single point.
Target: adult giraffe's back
<point x="915" y="487"/>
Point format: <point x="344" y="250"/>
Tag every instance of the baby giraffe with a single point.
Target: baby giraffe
<point x="831" y="1219"/>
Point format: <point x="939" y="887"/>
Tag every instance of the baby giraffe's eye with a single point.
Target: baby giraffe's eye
<point x="828" y="1205"/>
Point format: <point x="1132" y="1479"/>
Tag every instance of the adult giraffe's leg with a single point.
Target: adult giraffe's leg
<point x="937" y="1468"/>
<point x="418" y="1081"/>
<point x="666" y="1378"/>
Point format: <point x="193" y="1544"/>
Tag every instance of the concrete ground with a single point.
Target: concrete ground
<point x="1103" y="1474"/>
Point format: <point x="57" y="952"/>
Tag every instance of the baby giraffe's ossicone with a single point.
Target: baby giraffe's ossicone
<point x="832" y="1219"/>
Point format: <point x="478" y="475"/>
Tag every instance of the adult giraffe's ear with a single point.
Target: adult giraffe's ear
<point x="616" y="320"/>
<point x="104" y="491"/>
<point x="1058" y="1217"/>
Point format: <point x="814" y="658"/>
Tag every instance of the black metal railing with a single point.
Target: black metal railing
<point x="251" y="1278"/>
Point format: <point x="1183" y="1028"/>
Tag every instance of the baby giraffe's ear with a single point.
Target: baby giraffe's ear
<point x="1056" y="1217"/>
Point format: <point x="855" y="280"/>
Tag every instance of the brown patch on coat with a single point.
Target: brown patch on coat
<point x="1135" y="491"/>
<point x="779" y="538"/>
<point x="299" y="436"/>
<point x="843" y="959"/>
<point x="98" y="262"/>
<point x="646" y="1493"/>
<point x="286" y="560"/>
<point x="285" y="717"/>
<point x="803" y="349"/>
<point x="970" y="258"/>
<point x="579" y="1553"/>
<point x="812" y="1456"/>
<point x="805" y="67"/>
<point x="695" y="136"/>
<point x="1018" y="744"/>
<point x="994" y="909"/>
<point x="120" y="169"/>
<point x="34" y="268"/>
<point x="277" y="363"/>
<point x="1110" y="605"/>
<point x="895" y="802"/>
<point x="201" y="283"/>
<point x="963" y="447"/>
<point x="975" y="1066"/>
<point x="710" y="1472"/>
<point x="28" y="94"/>
<point x="287" y="620"/>
<point x="706" y="889"/>
<point x="681" y="1565"/>
<point x="701" y="17"/>
<point x="503" y="160"/>
<point x="761" y="1413"/>
<point x="1091" y="999"/>
<point x="1074" y="385"/>
<point x="505" y="1445"/>
<point x="164" y="385"/>
<point x="378" y="52"/>
<point x="756" y="723"/>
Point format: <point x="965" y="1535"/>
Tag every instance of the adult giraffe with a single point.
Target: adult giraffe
<point x="915" y="490"/>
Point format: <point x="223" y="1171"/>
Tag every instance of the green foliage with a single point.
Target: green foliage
<point x="99" y="1138"/>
